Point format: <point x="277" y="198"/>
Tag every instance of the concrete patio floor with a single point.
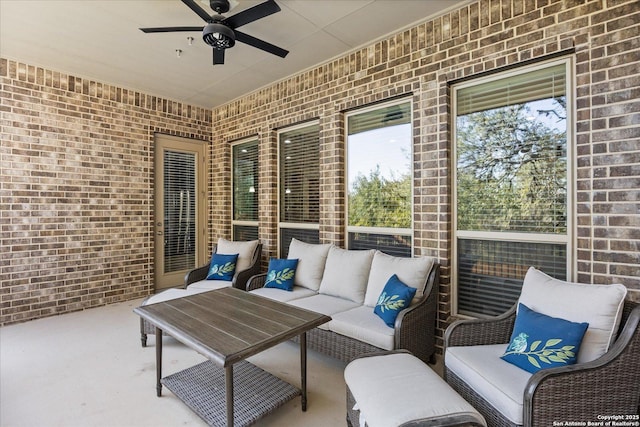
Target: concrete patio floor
<point x="89" y="369"/>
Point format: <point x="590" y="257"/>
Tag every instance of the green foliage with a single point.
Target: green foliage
<point x="280" y="276"/>
<point x="512" y="171"/>
<point x="390" y="302"/>
<point x="547" y="354"/>
<point x="375" y="201"/>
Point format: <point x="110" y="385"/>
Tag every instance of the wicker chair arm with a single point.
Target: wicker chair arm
<point x="240" y="280"/>
<point x="256" y="282"/>
<point x="496" y="330"/>
<point x="605" y="386"/>
<point x="415" y="325"/>
<point x="195" y="275"/>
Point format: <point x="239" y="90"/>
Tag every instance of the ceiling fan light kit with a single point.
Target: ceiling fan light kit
<point x="220" y="33"/>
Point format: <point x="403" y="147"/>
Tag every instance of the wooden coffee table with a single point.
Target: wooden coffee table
<point x="227" y="326"/>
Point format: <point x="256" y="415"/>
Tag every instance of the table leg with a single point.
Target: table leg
<point x="158" y="361"/>
<point x="303" y="369"/>
<point x="229" y="394"/>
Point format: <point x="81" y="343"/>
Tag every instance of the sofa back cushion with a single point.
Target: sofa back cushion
<point x="411" y="271"/>
<point x="311" y="260"/>
<point x="244" y="250"/>
<point x="346" y="274"/>
<point x="598" y="305"/>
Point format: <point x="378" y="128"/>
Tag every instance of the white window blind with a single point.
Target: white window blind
<point x="245" y="181"/>
<point x="299" y="184"/>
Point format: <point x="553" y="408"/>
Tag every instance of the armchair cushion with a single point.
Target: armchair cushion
<point x="222" y="267"/>
<point x="311" y="260"/>
<point x="244" y="250"/>
<point x="499" y="383"/>
<point x="539" y="341"/>
<point x="598" y="305"/>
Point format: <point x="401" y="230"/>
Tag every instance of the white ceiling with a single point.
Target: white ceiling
<point x="101" y="40"/>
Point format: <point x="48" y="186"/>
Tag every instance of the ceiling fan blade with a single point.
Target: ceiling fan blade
<point x="252" y="14"/>
<point x="170" y="29"/>
<point x="197" y="9"/>
<point x="218" y="56"/>
<point x="260" y="44"/>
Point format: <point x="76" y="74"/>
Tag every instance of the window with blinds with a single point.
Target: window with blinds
<point x="379" y="174"/>
<point x="299" y="179"/>
<point x="511" y="184"/>
<point x="179" y="210"/>
<point x="245" y="190"/>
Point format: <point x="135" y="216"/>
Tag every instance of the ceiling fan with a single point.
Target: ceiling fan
<point x="220" y="33"/>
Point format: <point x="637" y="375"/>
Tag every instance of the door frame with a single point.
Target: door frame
<point x="162" y="143"/>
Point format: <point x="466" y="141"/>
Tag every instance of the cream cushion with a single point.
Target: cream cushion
<point x="411" y="271"/>
<point x="311" y="259"/>
<point x="500" y="383"/>
<point x="244" y="250"/>
<point x="170" y="294"/>
<point x="281" y="295"/>
<point x="361" y="324"/>
<point x="346" y="273"/>
<point x="324" y="304"/>
<point x="598" y="305"/>
<point x="209" y="285"/>
<point x="397" y="388"/>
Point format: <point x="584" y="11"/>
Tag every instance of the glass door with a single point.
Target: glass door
<point x="179" y="209"/>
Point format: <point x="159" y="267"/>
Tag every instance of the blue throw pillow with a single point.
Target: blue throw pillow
<point x="222" y="267"/>
<point x="394" y="298"/>
<point x="281" y="273"/>
<point x="539" y="341"/>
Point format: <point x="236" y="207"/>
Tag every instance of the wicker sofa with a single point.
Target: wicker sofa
<point x="345" y="285"/>
<point x="602" y="383"/>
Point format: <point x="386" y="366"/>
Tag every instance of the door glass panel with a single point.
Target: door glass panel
<point x="179" y="210"/>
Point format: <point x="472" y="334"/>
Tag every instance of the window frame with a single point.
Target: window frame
<point x="287" y="224"/>
<point x="523" y="237"/>
<point x="244" y="223"/>
<point x="386" y="231"/>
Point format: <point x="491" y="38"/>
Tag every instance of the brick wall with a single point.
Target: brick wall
<point x="603" y="38"/>
<point x="76" y="209"/>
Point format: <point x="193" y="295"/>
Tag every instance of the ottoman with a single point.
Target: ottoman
<point x="398" y="389"/>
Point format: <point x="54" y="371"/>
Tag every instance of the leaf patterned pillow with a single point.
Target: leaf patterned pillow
<point x="539" y="341"/>
<point x="222" y="267"/>
<point x="281" y="273"/>
<point x="394" y="298"/>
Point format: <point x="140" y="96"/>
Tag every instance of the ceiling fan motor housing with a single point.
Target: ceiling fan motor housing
<point x="218" y="35"/>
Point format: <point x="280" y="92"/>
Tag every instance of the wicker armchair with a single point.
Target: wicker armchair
<point x="200" y="273"/>
<point x="609" y="385"/>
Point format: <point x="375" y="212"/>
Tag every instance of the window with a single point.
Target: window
<point x="379" y="174"/>
<point x="511" y="182"/>
<point x="299" y="185"/>
<point x="245" y="190"/>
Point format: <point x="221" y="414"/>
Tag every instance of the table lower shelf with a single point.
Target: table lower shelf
<point x="256" y="392"/>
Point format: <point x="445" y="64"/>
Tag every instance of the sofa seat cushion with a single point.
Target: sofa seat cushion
<point x="311" y="259"/>
<point x="346" y="273"/>
<point x="324" y="304"/>
<point x="497" y="381"/>
<point x="209" y="285"/>
<point x="411" y="271"/>
<point x="598" y="305"/>
<point x="284" y="296"/>
<point x="362" y="324"/>
<point x="170" y="294"/>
